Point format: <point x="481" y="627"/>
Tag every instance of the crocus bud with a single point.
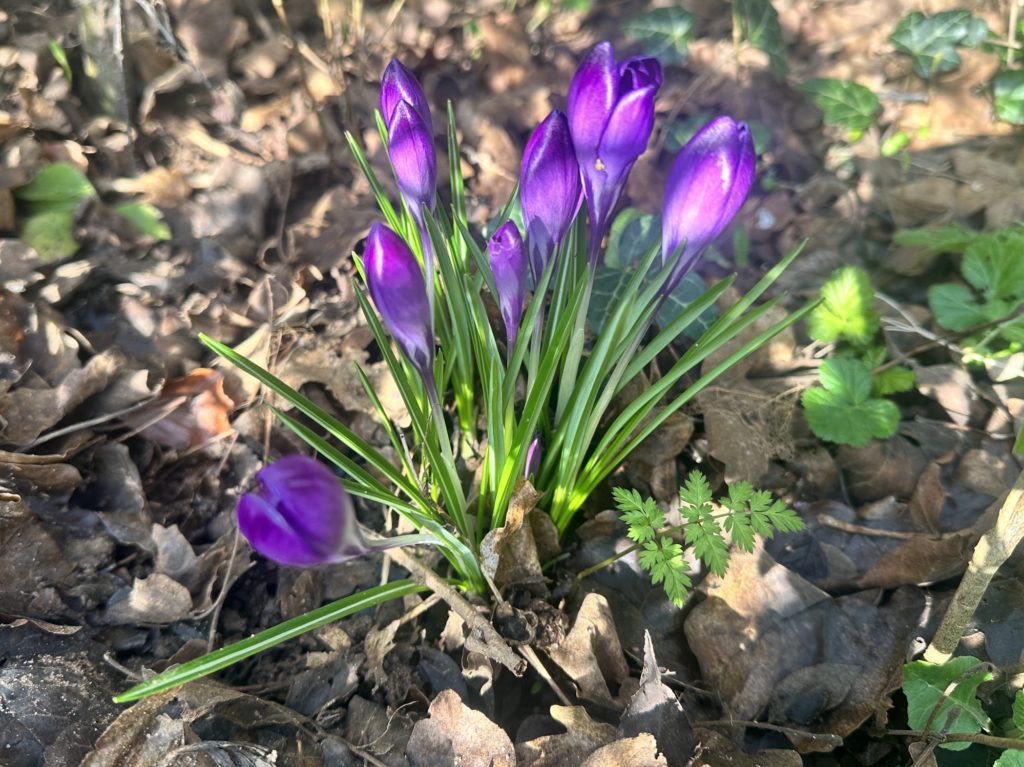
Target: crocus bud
<point x="395" y="282"/>
<point x="708" y="183"/>
<point x="549" y="188"/>
<point x="533" y="456"/>
<point x="410" y="137"/>
<point x="508" y="265"/>
<point x="611" y="115"/>
<point x="302" y="516"/>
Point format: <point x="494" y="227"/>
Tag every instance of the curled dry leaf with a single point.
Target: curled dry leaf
<point x="582" y="737"/>
<point x="190" y="411"/>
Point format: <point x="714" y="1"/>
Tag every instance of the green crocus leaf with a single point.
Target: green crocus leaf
<point x="842" y="409"/>
<point x="758" y="22"/>
<point x="925" y="684"/>
<point x="664" y="33"/>
<point x="931" y="41"/>
<point x="847" y="309"/>
<point x="633" y="234"/>
<point x="1008" y="94"/>
<point x="844" y="103"/>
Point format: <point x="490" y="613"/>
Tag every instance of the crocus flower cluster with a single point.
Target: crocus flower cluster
<point x="302" y="516"/>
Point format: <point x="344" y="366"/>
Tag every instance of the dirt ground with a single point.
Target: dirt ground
<point x="125" y="445"/>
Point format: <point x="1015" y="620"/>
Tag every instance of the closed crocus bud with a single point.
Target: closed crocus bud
<point x="410" y="137"/>
<point x="508" y="265"/>
<point x="533" y="455"/>
<point x="395" y="282"/>
<point x="411" y="148"/>
<point x="707" y="185"/>
<point x="611" y="115"/>
<point x="301" y="516"/>
<point x="549" y="188"/>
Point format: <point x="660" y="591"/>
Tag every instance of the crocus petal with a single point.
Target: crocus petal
<point x="549" y="188"/>
<point x="591" y="98"/>
<point x="707" y="185"/>
<point x="533" y="455"/>
<point x="639" y="72"/>
<point x="397" y="85"/>
<point x="411" y="148"/>
<point x="395" y="282"/>
<point x="508" y="265"/>
<point x="301" y="515"/>
<point x="628" y="131"/>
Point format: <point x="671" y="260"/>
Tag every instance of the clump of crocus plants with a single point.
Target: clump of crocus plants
<point x="529" y="398"/>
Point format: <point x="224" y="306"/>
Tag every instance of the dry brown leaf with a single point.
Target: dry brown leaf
<point x="582" y="737"/>
<point x="190" y="411"/>
<point x="639" y="751"/>
<point x="456" y="734"/>
<point x="508" y="553"/>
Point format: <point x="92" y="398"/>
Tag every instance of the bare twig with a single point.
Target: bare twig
<point x="993" y="548"/>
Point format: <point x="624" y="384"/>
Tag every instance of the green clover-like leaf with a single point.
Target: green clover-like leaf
<point x="842" y="409"/>
<point x="926" y="683"/>
<point x="846" y="311"/>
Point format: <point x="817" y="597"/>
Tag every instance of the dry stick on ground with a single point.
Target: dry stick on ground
<point x="993" y="548"/>
<point x="492" y="645"/>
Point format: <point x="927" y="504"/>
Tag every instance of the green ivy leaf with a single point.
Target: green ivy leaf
<point x="894" y="380"/>
<point x="993" y="264"/>
<point x="931" y="41"/>
<point x="925" y="684"/>
<point x="844" y="103"/>
<point x="847" y="309"/>
<point x="632" y="235"/>
<point x="1008" y="94"/>
<point x="146" y="218"/>
<point x="758" y="22"/>
<point x="842" y="409"/>
<point x="60" y="184"/>
<point x="664" y="33"/>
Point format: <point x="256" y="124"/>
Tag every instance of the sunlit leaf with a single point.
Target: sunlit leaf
<point x="844" y="103"/>
<point x="664" y="33"/>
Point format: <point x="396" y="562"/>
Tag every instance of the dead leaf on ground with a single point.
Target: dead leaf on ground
<point x="655" y="709"/>
<point x="582" y="737"/>
<point x="189" y="412"/>
<point x="592" y="657"/>
<point x="456" y="734"/>
<point x="718" y="751"/>
<point x="638" y="751"/>
<point x="787" y="626"/>
<point x="509" y="553"/>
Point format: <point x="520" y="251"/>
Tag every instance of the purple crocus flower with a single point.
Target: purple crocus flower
<point x="301" y="516"/>
<point x="508" y="265"/>
<point x="549" y="188"/>
<point x="611" y="115"/>
<point x="395" y="282"/>
<point x="410" y="137"/>
<point x="708" y="183"/>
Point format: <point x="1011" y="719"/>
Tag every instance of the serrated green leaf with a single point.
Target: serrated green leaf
<point x="931" y="41"/>
<point x="696" y="492"/>
<point x="894" y="380"/>
<point x="842" y="409"/>
<point x="932" y="242"/>
<point x="994" y="264"/>
<point x="146" y="218"/>
<point x="51" y="234"/>
<point x="758" y="22"/>
<point x="1011" y="758"/>
<point x="739" y="528"/>
<point x="844" y="103"/>
<point x="1008" y="95"/>
<point x="846" y="312"/>
<point x="925" y="683"/>
<point x="664" y="33"/>
<point x="955" y="307"/>
<point x="60" y="183"/>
